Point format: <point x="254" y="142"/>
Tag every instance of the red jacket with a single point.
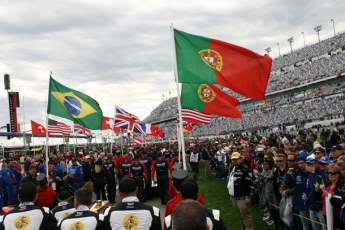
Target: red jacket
<point x="173" y="202"/>
<point x="46" y="198"/>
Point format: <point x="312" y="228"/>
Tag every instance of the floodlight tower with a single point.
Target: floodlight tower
<point x="303" y="39"/>
<point x="290" y="40"/>
<point x="317" y="30"/>
<point x="332" y="20"/>
<point x="268" y="50"/>
<point x="278" y="49"/>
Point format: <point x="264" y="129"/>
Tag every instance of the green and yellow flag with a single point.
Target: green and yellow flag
<point x="74" y="105"/>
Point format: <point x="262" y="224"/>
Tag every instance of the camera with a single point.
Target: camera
<point x="319" y="180"/>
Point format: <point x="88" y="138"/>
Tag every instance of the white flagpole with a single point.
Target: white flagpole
<point x="112" y="131"/>
<point x="33" y="142"/>
<point x="47" y="156"/>
<point x="179" y="143"/>
<point x="178" y="100"/>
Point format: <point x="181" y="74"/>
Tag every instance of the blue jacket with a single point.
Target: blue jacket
<point x="79" y="175"/>
<point x="17" y="174"/>
<point x="2" y="180"/>
<point x="310" y="186"/>
<point x="10" y="179"/>
<point x="59" y="170"/>
<point x="298" y="181"/>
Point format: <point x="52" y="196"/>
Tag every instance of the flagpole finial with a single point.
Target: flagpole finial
<point x="51" y="73"/>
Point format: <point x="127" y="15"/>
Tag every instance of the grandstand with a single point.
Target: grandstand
<point x="305" y="85"/>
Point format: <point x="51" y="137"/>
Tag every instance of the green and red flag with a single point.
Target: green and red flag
<point x="209" y="99"/>
<point x="204" y="60"/>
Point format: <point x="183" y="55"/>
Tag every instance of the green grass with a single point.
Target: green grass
<point x="216" y="195"/>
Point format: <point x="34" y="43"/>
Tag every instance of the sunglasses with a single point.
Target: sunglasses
<point x="291" y="160"/>
<point x="266" y="159"/>
<point x="322" y="163"/>
<point x="317" y="152"/>
<point x="279" y="161"/>
<point x="331" y="173"/>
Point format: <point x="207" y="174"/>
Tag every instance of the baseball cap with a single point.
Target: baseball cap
<point x="342" y="140"/>
<point x="325" y="159"/>
<point x="189" y="188"/>
<point x="87" y="157"/>
<point x="71" y="171"/>
<point x="337" y="147"/>
<point x="73" y="159"/>
<point x="302" y="155"/>
<point x="235" y="155"/>
<point x="127" y="185"/>
<point x="311" y="159"/>
<point x="41" y="167"/>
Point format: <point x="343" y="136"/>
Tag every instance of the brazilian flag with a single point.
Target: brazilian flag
<point x="74" y="105"/>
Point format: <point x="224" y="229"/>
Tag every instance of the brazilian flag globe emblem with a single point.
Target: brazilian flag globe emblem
<point x="74" y="105"/>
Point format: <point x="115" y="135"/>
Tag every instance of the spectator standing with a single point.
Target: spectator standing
<point x="45" y="193"/>
<point x="297" y="179"/>
<point x="240" y="187"/>
<point x="315" y="211"/>
<point x="31" y="176"/>
<point x="78" y="174"/>
<point x="194" y="159"/>
<point x="332" y="190"/>
<point x="206" y="159"/>
<point x="87" y="168"/>
<point x="27" y="164"/>
<point x="98" y="177"/>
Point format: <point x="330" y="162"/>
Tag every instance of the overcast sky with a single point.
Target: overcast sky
<point x="121" y="53"/>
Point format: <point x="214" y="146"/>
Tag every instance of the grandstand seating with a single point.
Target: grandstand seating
<point x="301" y="67"/>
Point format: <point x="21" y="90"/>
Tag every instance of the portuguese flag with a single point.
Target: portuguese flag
<point x="209" y="99"/>
<point x="205" y="60"/>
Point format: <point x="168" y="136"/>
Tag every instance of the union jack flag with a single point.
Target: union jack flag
<point x="128" y="121"/>
<point x="82" y="130"/>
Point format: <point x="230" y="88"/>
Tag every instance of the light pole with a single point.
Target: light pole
<point x="317" y="30"/>
<point x="303" y="39"/>
<point x="268" y="50"/>
<point x="332" y="20"/>
<point x="290" y="40"/>
<point x="278" y="49"/>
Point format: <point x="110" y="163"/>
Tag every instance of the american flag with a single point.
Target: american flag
<point x="82" y="130"/>
<point x="128" y="121"/>
<point x="58" y="127"/>
<point x="195" y="117"/>
<point x="137" y="140"/>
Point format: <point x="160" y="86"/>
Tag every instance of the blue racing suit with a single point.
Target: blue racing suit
<point x="78" y="176"/>
<point x="11" y="186"/>
<point x="2" y="183"/>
